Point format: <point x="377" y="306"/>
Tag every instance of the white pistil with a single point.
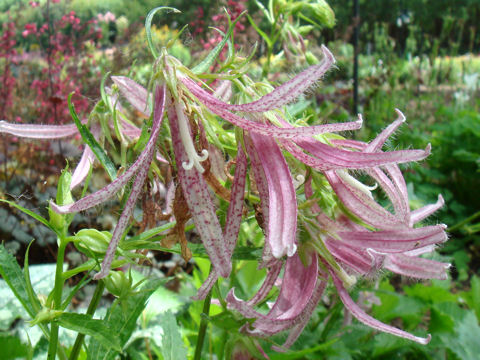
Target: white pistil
<point x="194" y="159"/>
<point x="298" y="181"/>
<point x="355" y="183"/>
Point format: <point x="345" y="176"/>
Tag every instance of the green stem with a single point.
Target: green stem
<point x="203" y="326"/>
<point x="97" y="295"/>
<point x="57" y="299"/>
<point x="464" y="222"/>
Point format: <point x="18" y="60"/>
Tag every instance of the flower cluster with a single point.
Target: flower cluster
<point x="349" y="237"/>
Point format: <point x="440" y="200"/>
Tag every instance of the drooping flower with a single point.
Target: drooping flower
<point x="378" y="238"/>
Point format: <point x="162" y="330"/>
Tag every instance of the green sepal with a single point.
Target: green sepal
<point x="118" y="283"/>
<point x="148" y="27"/>
<point x="91" y="242"/>
<point x="45" y="315"/>
<point x="90" y="140"/>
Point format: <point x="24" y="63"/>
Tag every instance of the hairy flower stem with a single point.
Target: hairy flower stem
<point x="203" y="325"/>
<point x="57" y="299"/>
<point x="97" y="295"/>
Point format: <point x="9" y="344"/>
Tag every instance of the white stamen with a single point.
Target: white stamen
<point x="193" y="158"/>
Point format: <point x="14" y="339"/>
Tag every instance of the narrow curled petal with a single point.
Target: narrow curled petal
<point x="282" y="203"/>
<point x="135" y="93"/>
<point x="130" y="130"/>
<point x="280" y="96"/>
<point x="400" y="203"/>
<point x="123" y="220"/>
<point x="424" y="212"/>
<point x="331" y="157"/>
<point x="395" y="240"/>
<point x="38" y="131"/>
<point x="235" y="208"/>
<point x="83" y="167"/>
<point x="377" y="143"/>
<point x="199" y="201"/>
<point x="304" y="317"/>
<point x="223" y="91"/>
<point x="298" y="287"/>
<point x="416" y="267"/>
<point x="267" y="285"/>
<point x="358" y="260"/>
<point x="285" y="132"/>
<point x="136" y="187"/>
<point x="363" y="317"/>
<point x="234" y="218"/>
<point x="115" y="186"/>
<point x="363" y="206"/>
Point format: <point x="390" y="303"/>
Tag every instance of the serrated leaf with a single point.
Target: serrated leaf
<point x="464" y="342"/>
<point x="430" y="294"/>
<point x="122" y="318"/>
<point x="14" y="277"/>
<point x="440" y="322"/>
<point x="173" y="347"/>
<point x="92" y="143"/>
<point x="97" y="329"/>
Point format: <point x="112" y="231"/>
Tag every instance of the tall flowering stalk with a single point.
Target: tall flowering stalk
<point x="345" y="232"/>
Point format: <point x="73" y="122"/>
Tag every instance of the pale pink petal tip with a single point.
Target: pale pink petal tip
<point x="328" y="54"/>
<point x="360" y="120"/>
<point x="401" y="117"/>
<point x="428" y="149"/>
<point x="440" y="201"/>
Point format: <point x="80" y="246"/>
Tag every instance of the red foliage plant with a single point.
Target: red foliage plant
<point x="68" y="66"/>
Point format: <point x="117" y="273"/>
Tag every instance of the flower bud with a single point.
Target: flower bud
<point x="92" y="242"/>
<point x="311" y="59"/>
<point x="118" y="283"/>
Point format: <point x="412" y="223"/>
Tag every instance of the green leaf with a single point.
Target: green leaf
<point x="210" y="58"/>
<point x="260" y="32"/>
<point x="265" y="11"/>
<point x="430" y="294"/>
<point x="90" y="141"/>
<point x="97" y="329"/>
<point x="148" y="27"/>
<point x="464" y="341"/>
<point x="472" y="297"/>
<point x="31" y="214"/>
<point x="122" y="318"/>
<point x="12" y="347"/>
<point x="30" y="292"/>
<point x="440" y="322"/>
<point x="144" y="136"/>
<point x="14" y="277"/>
<point x="173" y="347"/>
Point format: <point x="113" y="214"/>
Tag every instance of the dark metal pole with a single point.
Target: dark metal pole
<point x="356" y="23"/>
